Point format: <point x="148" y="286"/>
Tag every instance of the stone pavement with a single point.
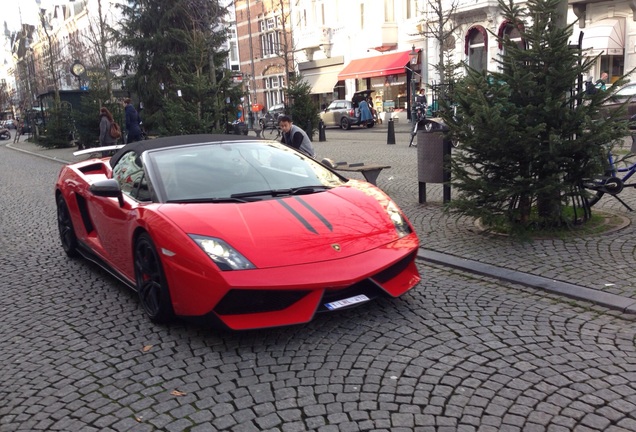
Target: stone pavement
<point x="595" y="268"/>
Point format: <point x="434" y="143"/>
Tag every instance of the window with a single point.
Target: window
<point x="388" y="11"/>
<point x="362" y="16"/>
<point x="234" y="57"/>
<point x="130" y="176"/>
<point x="409" y="9"/>
<point x="270" y="36"/>
<point x="477" y="48"/>
<point x="509" y="31"/>
<point x="274" y="86"/>
<point x="614" y="65"/>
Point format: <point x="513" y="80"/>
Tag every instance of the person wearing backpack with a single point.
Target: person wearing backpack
<point x="105" y="123"/>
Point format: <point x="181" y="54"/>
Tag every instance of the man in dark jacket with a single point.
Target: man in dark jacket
<point x="132" y="122"/>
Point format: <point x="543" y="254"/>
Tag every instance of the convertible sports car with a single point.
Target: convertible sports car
<point x="242" y="232"/>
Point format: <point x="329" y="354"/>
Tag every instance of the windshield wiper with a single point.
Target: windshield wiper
<point x="207" y="200"/>
<point x="302" y="190"/>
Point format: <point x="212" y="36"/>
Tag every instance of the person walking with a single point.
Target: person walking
<point x="132" y="122"/>
<point x="295" y="137"/>
<point x="601" y="83"/>
<point x="105" y="121"/>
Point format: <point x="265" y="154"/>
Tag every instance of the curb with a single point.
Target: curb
<point x="608" y="300"/>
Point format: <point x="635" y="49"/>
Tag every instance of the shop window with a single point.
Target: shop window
<point x="477" y="48"/>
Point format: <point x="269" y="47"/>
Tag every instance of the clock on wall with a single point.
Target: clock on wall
<point x="77" y="69"/>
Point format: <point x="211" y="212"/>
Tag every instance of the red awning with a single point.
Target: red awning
<point x="381" y="65"/>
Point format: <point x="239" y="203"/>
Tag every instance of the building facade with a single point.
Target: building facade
<point x="266" y="52"/>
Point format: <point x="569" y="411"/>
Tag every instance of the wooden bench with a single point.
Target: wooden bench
<point x="370" y="172"/>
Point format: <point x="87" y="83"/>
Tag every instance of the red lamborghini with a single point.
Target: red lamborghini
<point x="245" y="232"/>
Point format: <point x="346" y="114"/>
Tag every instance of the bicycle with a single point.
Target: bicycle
<point x="271" y="131"/>
<point x="420" y="113"/>
<point x="612" y="182"/>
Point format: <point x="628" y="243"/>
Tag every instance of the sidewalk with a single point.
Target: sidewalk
<point x="596" y="269"/>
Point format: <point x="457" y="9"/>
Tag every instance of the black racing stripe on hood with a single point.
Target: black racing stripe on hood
<point x="315" y="213"/>
<point x="298" y="216"/>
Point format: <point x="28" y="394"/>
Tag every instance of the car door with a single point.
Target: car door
<point x="114" y="223"/>
<point x="328" y="115"/>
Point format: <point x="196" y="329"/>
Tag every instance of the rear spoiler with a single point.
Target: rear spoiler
<point x="103" y="151"/>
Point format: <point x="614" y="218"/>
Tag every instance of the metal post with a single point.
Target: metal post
<point x="390" y="139"/>
<point x="413" y="112"/>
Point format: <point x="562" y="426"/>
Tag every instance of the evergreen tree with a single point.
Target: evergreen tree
<point x="303" y="110"/>
<point x="527" y="139"/>
<point x="177" y="62"/>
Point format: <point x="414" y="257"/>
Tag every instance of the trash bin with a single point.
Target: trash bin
<point x="433" y="150"/>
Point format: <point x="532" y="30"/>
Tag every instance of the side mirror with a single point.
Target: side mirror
<point x="107" y="188"/>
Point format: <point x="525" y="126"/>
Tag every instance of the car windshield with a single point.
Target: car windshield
<point x="235" y="172"/>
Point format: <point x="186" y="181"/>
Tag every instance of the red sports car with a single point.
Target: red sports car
<point x="246" y="232"/>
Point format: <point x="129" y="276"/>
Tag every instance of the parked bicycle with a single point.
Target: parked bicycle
<point x="420" y="114"/>
<point x="271" y="131"/>
<point x="618" y="172"/>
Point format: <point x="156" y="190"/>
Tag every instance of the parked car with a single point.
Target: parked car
<point x="627" y="93"/>
<point x="344" y="114"/>
<point x="9" y="124"/>
<point x="270" y="119"/>
<point x="243" y="232"/>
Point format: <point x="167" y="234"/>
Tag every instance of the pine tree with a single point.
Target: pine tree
<point x="527" y="139"/>
<point x="177" y="62"/>
<point x="303" y="110"/>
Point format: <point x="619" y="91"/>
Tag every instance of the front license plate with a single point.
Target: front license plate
<point x="346" y="302"/>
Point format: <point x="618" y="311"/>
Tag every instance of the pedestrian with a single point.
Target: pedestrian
<point x="133" y="128"/>
<point x="105" y="121"/>
<point x="295" y="137"/>
<point x="600" y="84"/>
<point x="590" y="88"/>
<point x="365" y="112"/>
<point x="421" y="97"/>
<point x="239" y="115"/>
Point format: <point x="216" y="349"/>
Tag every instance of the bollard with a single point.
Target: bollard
<point x="390" y="139"/>
<point x="321" y="131"/>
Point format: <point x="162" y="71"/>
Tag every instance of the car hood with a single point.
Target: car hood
<point x="341" y="222"/>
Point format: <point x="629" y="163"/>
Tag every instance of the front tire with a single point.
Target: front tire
<point x="65" y="228"/>
<point x="150" y="279"/>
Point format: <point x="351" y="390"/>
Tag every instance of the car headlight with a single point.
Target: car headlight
<point x="223" y="255"/>
<point x="401" y="225"/>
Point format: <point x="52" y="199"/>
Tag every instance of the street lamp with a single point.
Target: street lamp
<point x="413" y="57"/>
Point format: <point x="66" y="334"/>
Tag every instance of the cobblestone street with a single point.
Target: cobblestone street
<point x="459" y="352"/>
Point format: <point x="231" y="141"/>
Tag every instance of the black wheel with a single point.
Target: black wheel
<point x="345" y="123"/>
<point x="151" y="281"/>
<point x="370" y="124"/>
<point x="65" y="227"/>
<point x="272" y="133"/>
<point x="599" y="187"/>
